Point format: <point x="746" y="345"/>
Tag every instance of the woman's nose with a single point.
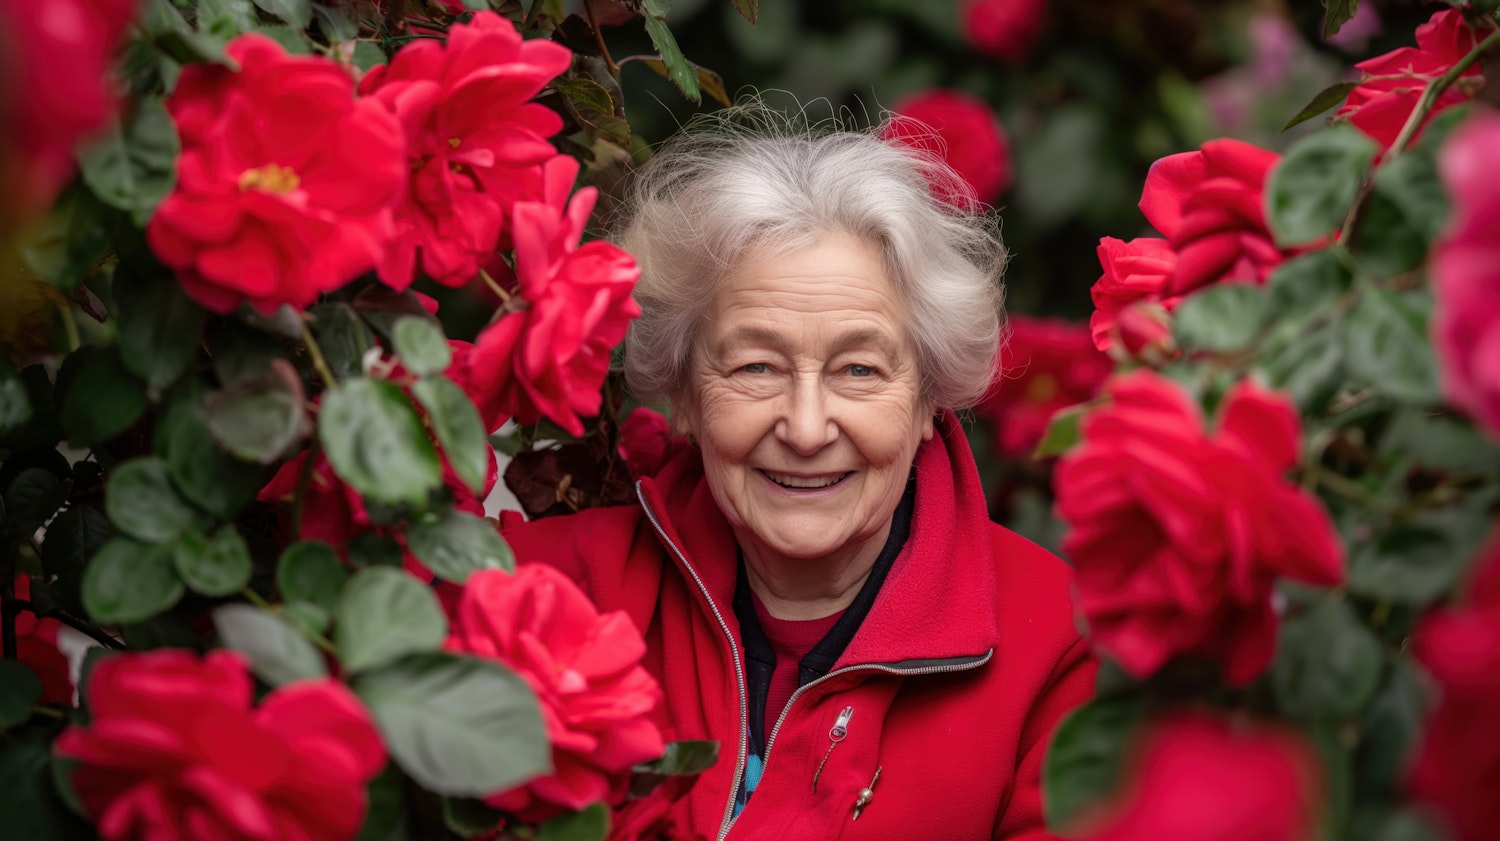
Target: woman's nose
<point x="806" y="425"/>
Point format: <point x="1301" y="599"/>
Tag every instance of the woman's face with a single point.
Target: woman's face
<point x="805" y="400"/>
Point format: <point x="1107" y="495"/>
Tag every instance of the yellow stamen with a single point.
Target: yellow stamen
<point x="272" y="178"/>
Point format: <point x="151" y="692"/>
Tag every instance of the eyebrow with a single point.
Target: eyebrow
<point x="752" y="335"/>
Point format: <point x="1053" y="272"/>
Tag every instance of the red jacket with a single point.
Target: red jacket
<point x="957" y="676"/>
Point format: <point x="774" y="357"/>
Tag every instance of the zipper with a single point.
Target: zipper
<point x="739" y="668"/>
<point x="836" y="734"/>
<point x="956" y="664"/>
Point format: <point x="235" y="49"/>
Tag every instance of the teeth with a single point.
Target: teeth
<point x="804" y="481"/>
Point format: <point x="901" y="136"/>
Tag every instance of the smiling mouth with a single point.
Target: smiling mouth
<point x="803" y="483"/>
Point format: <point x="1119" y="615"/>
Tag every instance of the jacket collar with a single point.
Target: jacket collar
<point x="938" y="602"/>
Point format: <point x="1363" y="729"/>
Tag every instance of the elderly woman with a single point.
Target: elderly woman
<point x="818" y="582"/>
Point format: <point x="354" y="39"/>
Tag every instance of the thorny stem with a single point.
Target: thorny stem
<point x="614" y="69"/>
<point x="318" y="361"/>
<point x="83" y="626"/>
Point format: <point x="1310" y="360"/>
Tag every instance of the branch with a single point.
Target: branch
<point x="1430" y="95"/>
<point x="83" y="626"/>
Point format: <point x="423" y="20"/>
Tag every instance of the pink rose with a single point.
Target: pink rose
<point x="584" y="666"/>
<point x="1466" y="272"/>
<point x="285" y="184"/>
<point x="1177" y="534"/>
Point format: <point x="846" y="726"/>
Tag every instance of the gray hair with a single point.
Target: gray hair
<point x="752" y="182"/>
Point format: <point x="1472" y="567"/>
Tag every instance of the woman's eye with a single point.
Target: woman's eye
<point x="756" y="368"/>
<point x="861" y="371"/>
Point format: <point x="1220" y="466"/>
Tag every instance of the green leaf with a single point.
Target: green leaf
<point x="681" y="71"/>
<point x="458" y="725"/>
<point x="74" y="537"/>
<point x="29" y="803"/>
<point x="214" y="566"/>
<point x="384" y="614"/>
<point x="212" y="478"/>
<point x="709" y="82"/>
<point x="133" y="164"/>
<point x="66" y="247"/>
<point x="101" y="398"/>
<point x="1391" y="726"/>
<point x="1303" y="287"/>
<point x="278" y="654"/>
<point x="591" y="824"/>
<point x="307" y="618"/>
<point x="15" y="405"/>
<point x="682" y="758"/>
<point x="1385" y="345"/>
<point x="224" y="19"/>
<point x="459" y="429"/>
<point x="310" y="571"/>
<point x="1220" y="319"/>
<point x="1405" y="213"/>
<point x="1327" y="662"/>
<point x="422" y="346"/>
<point x="32" y="497"/>
<point x="377" y="443"/>
<point x="1336" y="13"/>
<point x="1438" y="441"/>
<point x="1083" y="760"/>
<point x="295" y="13"/>
<point x="130" y="582"/>
<point x="171" y="34"/>
<point x="1307" y="366"/>
<point x="590" y="105"/>
<point x="141" y="502"/>
<point x="1311" y="190"/>
<point x="1324" y="100"/>
<point x="259" y="418"/>
<point x="375" y="550"/>
<point x="20" y="689"/>
<point x="457" y="543"/>
<point x="291" y="40"/>
<point x="343" y="338"/>
<point x="367" y="55"/>
<point x="385" y="819"/>
<point x="160" y="328"/>
<point x="469" y="818"/>
<point x="335" y="23"/>
<point x="1413" y="562"/>
<point x="1064" y="431"/>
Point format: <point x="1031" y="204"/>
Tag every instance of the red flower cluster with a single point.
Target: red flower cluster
<point x="548" y="354"/>
<point x="175" y="750"/>
<point x="1003" y="28"/>
<point x="967" y="136"/>
<point x="1049" y="365"/>
<point x="1455" y="767"/>
<point x="1131" y="304"/>
<point x="1177" y="536"/>
<point x="36" y="648"/>
<point x="54" y="61"/>
<point x="1393" y="82"/>
<point x="1209" y="206"/>
<point x="647" y="442"/>
<point x="474" y="140"/>
<point x="1196" y="778"/>
<point x="1466" y="272"/>
<point x="285" y="184"/>
<point x="595" y="696"/>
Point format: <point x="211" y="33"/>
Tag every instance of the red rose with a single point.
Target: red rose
<point x="474" y="142"/>
<point x="1455" y="765"/>
<point x="1393" y="82"/>
<point x="1048" y="365"/>
<point x="54" y="90"/>
<point x="176" y="749"/>
<point x="1466" y="272"/>
<point x="647" y="442"/>
<point x="1130" y="298"/>
<point x="285" y="184"/>
<point x="1208" y="206"/>
<point x="549" y="354"/>
<point x="967" y="136"/>
<point x="1195" y="778"/>
<point x="645" y="818"/>
<point x="1004" y="28"/>
<point x="1177" y="536"/>
<point x="36" y="648"/>
<point x="595" y="696"/>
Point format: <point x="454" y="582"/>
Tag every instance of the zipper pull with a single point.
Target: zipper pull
<point x="866" y="794"/>
<point x="836" y="734"/>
